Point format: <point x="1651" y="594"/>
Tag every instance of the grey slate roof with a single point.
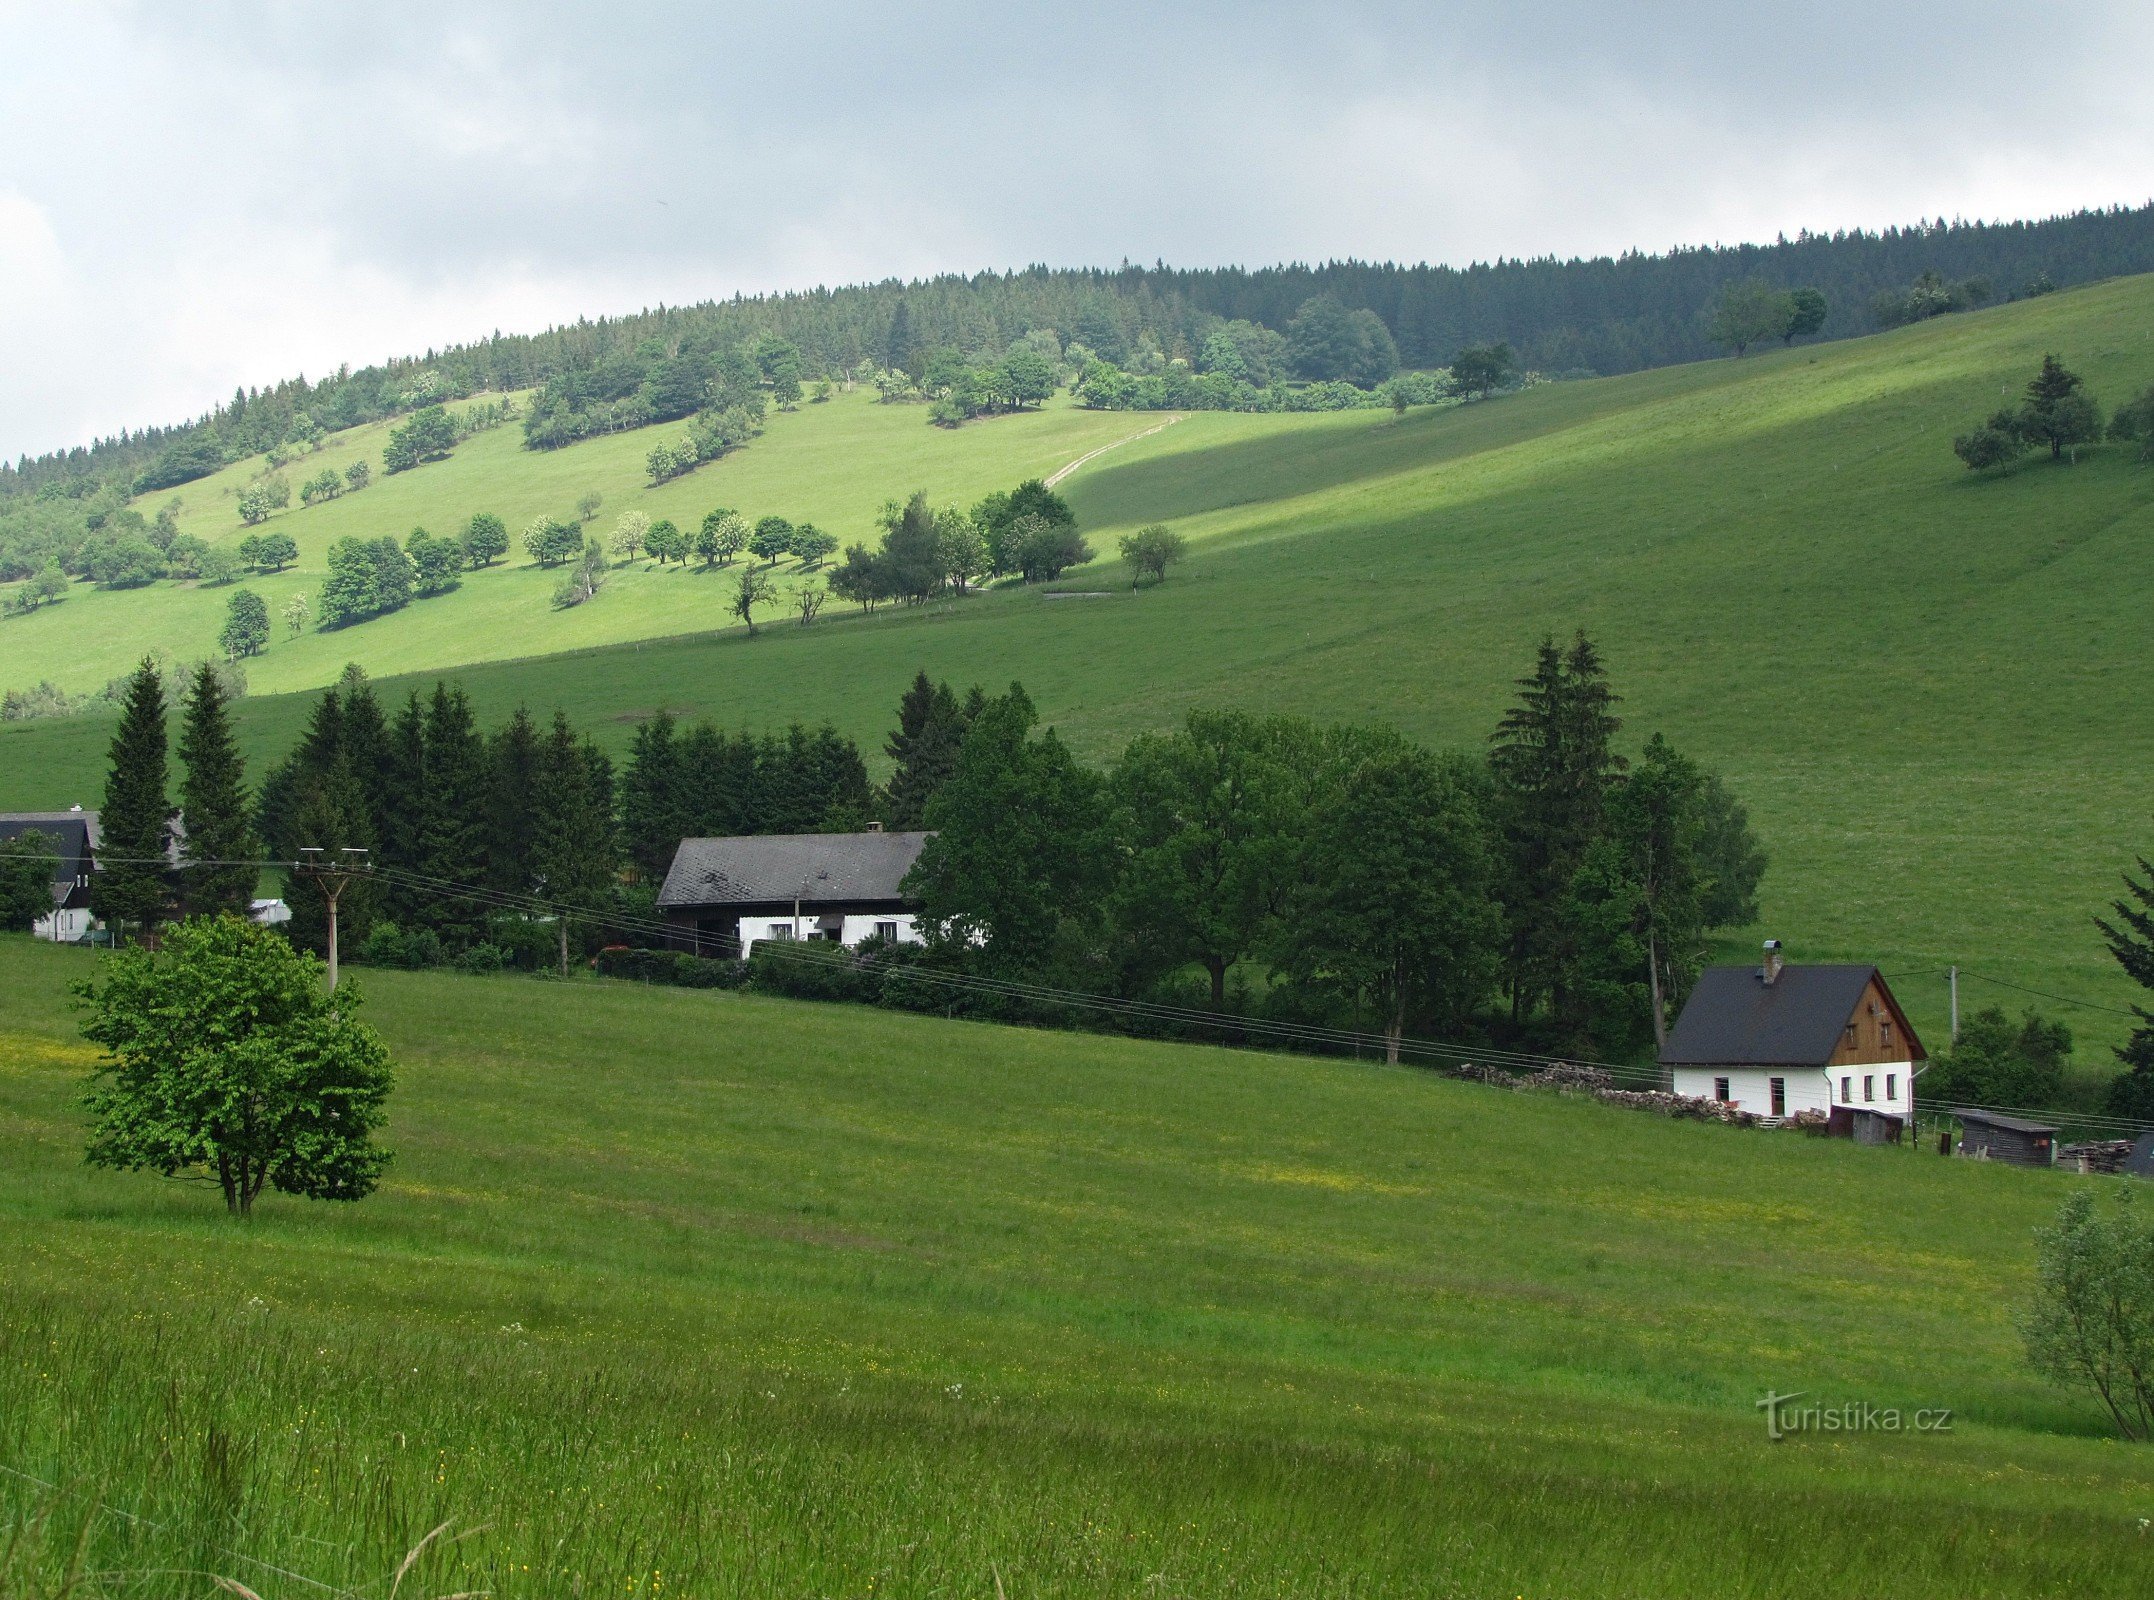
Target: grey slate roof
<point x="1735" y="1019"/>
<point x="72" y="833"/>
<point x="1996" y="1119"/>
<point x="820" y="868"/>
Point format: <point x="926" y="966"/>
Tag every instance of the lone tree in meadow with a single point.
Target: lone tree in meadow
<point x="226" y="1060"/>
<point x="486" y="539"/>
<point x="2092" y="1324"/>
<point x="1807" y="310"/>
<point x="1749" y="313"/>
<point x="246" y="626"/>
<point x="2058" y="412"/>
<point x="754" y="589"/>
<point x="1149" y="551"/>
<point x="1480" y="369"/>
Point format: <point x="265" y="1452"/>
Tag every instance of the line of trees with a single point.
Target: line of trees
<point x="1604" y="314"/>
<point x="1550" y="891"/>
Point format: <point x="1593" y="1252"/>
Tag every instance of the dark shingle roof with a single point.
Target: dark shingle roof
<point x="1995" y="1119"/>
<point x="818" y="867"/>
<point x="72" y="834"/>
<point x="1735" y="1019"/>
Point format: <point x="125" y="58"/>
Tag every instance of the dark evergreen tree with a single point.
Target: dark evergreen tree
<point x="220" y="849"/>
<point x="2131" y="940"/>
<point x="2057" y="411"/>
<point x="400" y="852"/>
<point x="1553" y="760"/>
<point x="655" y="808"/>
<point x="512" y="755"/>
<point x="925" y="745"/>
<point x="453" y="821"/>
<point x="572" y="849"/>
<point x="132" y="889"/>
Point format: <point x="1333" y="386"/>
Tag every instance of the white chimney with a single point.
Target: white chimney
<point x="1770" y="971"/>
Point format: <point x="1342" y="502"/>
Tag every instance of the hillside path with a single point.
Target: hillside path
<point x="1065" y="470"/>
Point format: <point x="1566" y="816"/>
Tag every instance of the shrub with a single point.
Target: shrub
<point x="481" y="959"/>
<point x="675" y="967"/>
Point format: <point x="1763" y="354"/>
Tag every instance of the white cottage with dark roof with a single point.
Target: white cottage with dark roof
<point x="73" y="836"/>
<point x="722" y="896"/>
<point x="1777" y="1039"/>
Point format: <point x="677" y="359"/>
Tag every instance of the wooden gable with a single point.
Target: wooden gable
<point x="1877" y="1030"/>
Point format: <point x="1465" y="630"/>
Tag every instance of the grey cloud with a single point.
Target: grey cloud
<point x="234" y="192"/>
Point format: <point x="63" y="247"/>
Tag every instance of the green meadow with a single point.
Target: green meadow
<point x="696" y="1293"/>
<point x="1929" y="688"/>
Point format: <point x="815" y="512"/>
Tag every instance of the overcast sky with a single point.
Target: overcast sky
<point x="202" y="195"/>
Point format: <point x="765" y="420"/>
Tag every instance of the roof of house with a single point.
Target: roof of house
<point x="1996" y="1119"/>
<point x="73" y="835"/>
<point x="1734" y="1018"/>
<point x="14" y="822"/>
<point x="815" y="868"/>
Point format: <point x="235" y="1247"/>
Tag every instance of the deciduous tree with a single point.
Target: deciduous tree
<point x="225" y="1059"/>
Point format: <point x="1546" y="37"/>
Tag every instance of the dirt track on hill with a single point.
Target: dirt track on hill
<point x="1065" y="470"/>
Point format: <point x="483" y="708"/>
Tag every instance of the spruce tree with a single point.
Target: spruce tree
<point x="654" y="812"/>
<point x="511" y="805"/>
<point x="131" y="889"/>
<point x="2131" y="940"/>
<point x="213" y="805"/>
<point x="453" y="821"/>
<point x="573" y="847"/>
<point x="401" y="850"/>
<point x="1553" y="761"/>
<point x="928" y="757"/>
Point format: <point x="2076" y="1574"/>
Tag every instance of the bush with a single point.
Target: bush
<point x="481" y="959"/>
<point x="675" y="967"/>
<point x="390" y="946"/>
<point x="816" y="971"/>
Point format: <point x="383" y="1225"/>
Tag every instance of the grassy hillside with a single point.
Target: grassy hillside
<point x="709" y="1294"/>
<point x="1926" y="686"/>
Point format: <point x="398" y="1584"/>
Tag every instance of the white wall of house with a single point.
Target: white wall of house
<point x="852" y="930"/>
<point x="66" y="926"/>
<point x="1886" y="1086"/>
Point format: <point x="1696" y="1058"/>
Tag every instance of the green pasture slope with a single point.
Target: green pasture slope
<point x="683" y="1293"/>
<point x="1930" y="689"/>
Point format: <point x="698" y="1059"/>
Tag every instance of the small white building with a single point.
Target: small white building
<point x="1777" y="1039"/>
<point x="722" y="897"/>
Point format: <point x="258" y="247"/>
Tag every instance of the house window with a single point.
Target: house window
<point x="1892" y="1086"/>
<point x="781" y="930"/>
<point x="887" y="932"/>
<point x="1780" y="1097"/>
<point x="1847" y="1089"/>
<point x="1851" y="1033"/>
<point x="1720" y="1089"/>
<point x="1884" y="1033"/>
<point x="1869" y="1087"/>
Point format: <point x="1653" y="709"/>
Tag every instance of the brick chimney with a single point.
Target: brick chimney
<point x="1769" y="973"/>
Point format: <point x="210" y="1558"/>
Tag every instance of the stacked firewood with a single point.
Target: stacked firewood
<point x="1695" y="1107"/>
<point x="2096" y="1155"/>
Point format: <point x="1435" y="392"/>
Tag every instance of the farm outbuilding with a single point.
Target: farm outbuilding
<point x="1992" y="1136"/>
<point x="1777" y="1039"/>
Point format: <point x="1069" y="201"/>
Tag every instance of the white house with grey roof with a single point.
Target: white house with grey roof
<point x="724" y="896"/>
<point x="73" y="837"/>
<point x="1777" y="1039"/>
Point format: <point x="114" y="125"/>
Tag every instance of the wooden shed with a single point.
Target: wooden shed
<point x="1995" y="1137"/>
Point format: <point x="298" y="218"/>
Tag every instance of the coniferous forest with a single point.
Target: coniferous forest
<point x="1602" y="315"/>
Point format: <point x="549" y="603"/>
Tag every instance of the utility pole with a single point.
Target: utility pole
<point x="332" y="877"/>
<point x="1953" y="973"/>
